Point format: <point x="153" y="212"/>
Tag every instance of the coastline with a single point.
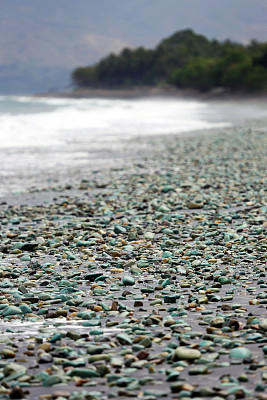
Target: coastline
<point x="153" y="273"/>
<point x="150" y="92"/>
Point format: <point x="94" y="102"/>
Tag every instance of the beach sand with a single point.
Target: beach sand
<point x="143" y="281"/>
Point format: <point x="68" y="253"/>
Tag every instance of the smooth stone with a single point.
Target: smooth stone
<point x="165" y="283"/>
<point x="170" y="299"/>
<point x="123" y="338"/>
<point x="55" y="338"/>
<point x="116" y="362"/>
<point x="7" y="353"/>
<point x="25" y="258"/>
<point x="146" y="342"/>
<point x="79" y="362"/>
<point x="44" y="358"/>
<point x="173" y="376"/>
<point x="70" y="256"/>
<point x="198" y="370"/>
<point x="217" y="322"/>
<point x="184" y="353"/>
<point x="12" y="310"/>
<point x="128" y="248"/>
<point x="25" y="309"/>
<point x="93" y="349"/>
<point x="83" y="373"/>
<point x="86" y="315"/>
<point x="99" y="357"/>
<point x="193" y="205"/>
<point x="119" y="229"/>
<point x="136" y="271"/>
<point x="29" y="246"/>
<point x="240" y="352"/>
<point x="53" y="380"/>
<point x="155" y="393"/>
<point x="169" y="322"/>
<point x="16" y="393"/>
<point x="149" y="235"/>
<point x="61" y="394"/>
<point x="96" y="332"/>
<point x="263" y="324"/>
<point x="128" y="281"/>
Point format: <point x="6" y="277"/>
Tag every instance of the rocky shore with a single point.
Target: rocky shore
<point x="147" y="282"/>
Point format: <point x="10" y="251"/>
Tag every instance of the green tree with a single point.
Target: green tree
<point x="184" y="59"/>
<point x="84" y="76"/>
<point x="199" y="74"/>
<point x="233" y="67"/>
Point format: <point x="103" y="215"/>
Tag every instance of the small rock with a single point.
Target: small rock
<point x="7" y="353"/>
<point x="185" y="353"/>
<point x="128" y="281"/>
<point x="240" y="352"/>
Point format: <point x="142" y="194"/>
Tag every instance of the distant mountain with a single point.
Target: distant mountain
<point x="20" y="79"/>
<point x="62" y="34"/>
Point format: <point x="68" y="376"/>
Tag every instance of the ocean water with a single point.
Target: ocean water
<point x="45" y="141"/>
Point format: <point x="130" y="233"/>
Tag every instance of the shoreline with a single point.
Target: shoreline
<point x="147" y="282"/>
<point x="147" y="92"/>
<point x="143" y="155"/>
<point x="94" y="155"/>
<point x="145" y="150"/>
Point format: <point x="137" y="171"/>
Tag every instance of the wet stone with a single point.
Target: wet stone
<point x="7" y="353"/>
<point x="83" y="373"/>
<point x="184" y="353"/>
<point x="11" y="310"/>
<point x="128" y="281"/>
<point x="45" y="358"/>
<point x="240" y="352"/>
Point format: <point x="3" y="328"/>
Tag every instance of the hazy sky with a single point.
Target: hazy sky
<point x="68" y="33"/>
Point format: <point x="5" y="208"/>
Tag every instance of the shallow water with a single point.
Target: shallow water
<point x="31" y="329"/>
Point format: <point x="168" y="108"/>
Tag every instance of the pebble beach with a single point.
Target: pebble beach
<point x="146" y="281"/>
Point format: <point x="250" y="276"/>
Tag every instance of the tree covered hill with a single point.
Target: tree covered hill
<point x="184" y="60"/>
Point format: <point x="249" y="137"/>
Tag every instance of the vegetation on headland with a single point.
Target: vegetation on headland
<point x="184" y="60"/>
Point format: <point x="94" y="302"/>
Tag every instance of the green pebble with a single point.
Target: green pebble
<point x="83" y="373"/>
<point x="119" y="229"/>
<point x="170" y="298"/>
<point x="93" y="349"/>
<point x="149" y="235"/>
<point x="240" y="352"/>
<point x="25" y="309"/>
<point x="146" y="342"/>
<point x="165" y="283"/>
<point x="55" y="338"/>
<point x="185" y="353"/>
<point x="99" y="357"/>
<point x="11" y="310"/>
<point x="25" y="258"/>
<point x="53" y="380"/>
<point x="74" y="363"/>
<point x="70" y="256"/>
<point x="155" y="393"/>
<point x="96" y="332"/>
<point x="128" y="281"/>
<point x="123" y="338"/>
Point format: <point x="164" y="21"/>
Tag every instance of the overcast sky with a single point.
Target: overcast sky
<point x="68" y="33"/>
